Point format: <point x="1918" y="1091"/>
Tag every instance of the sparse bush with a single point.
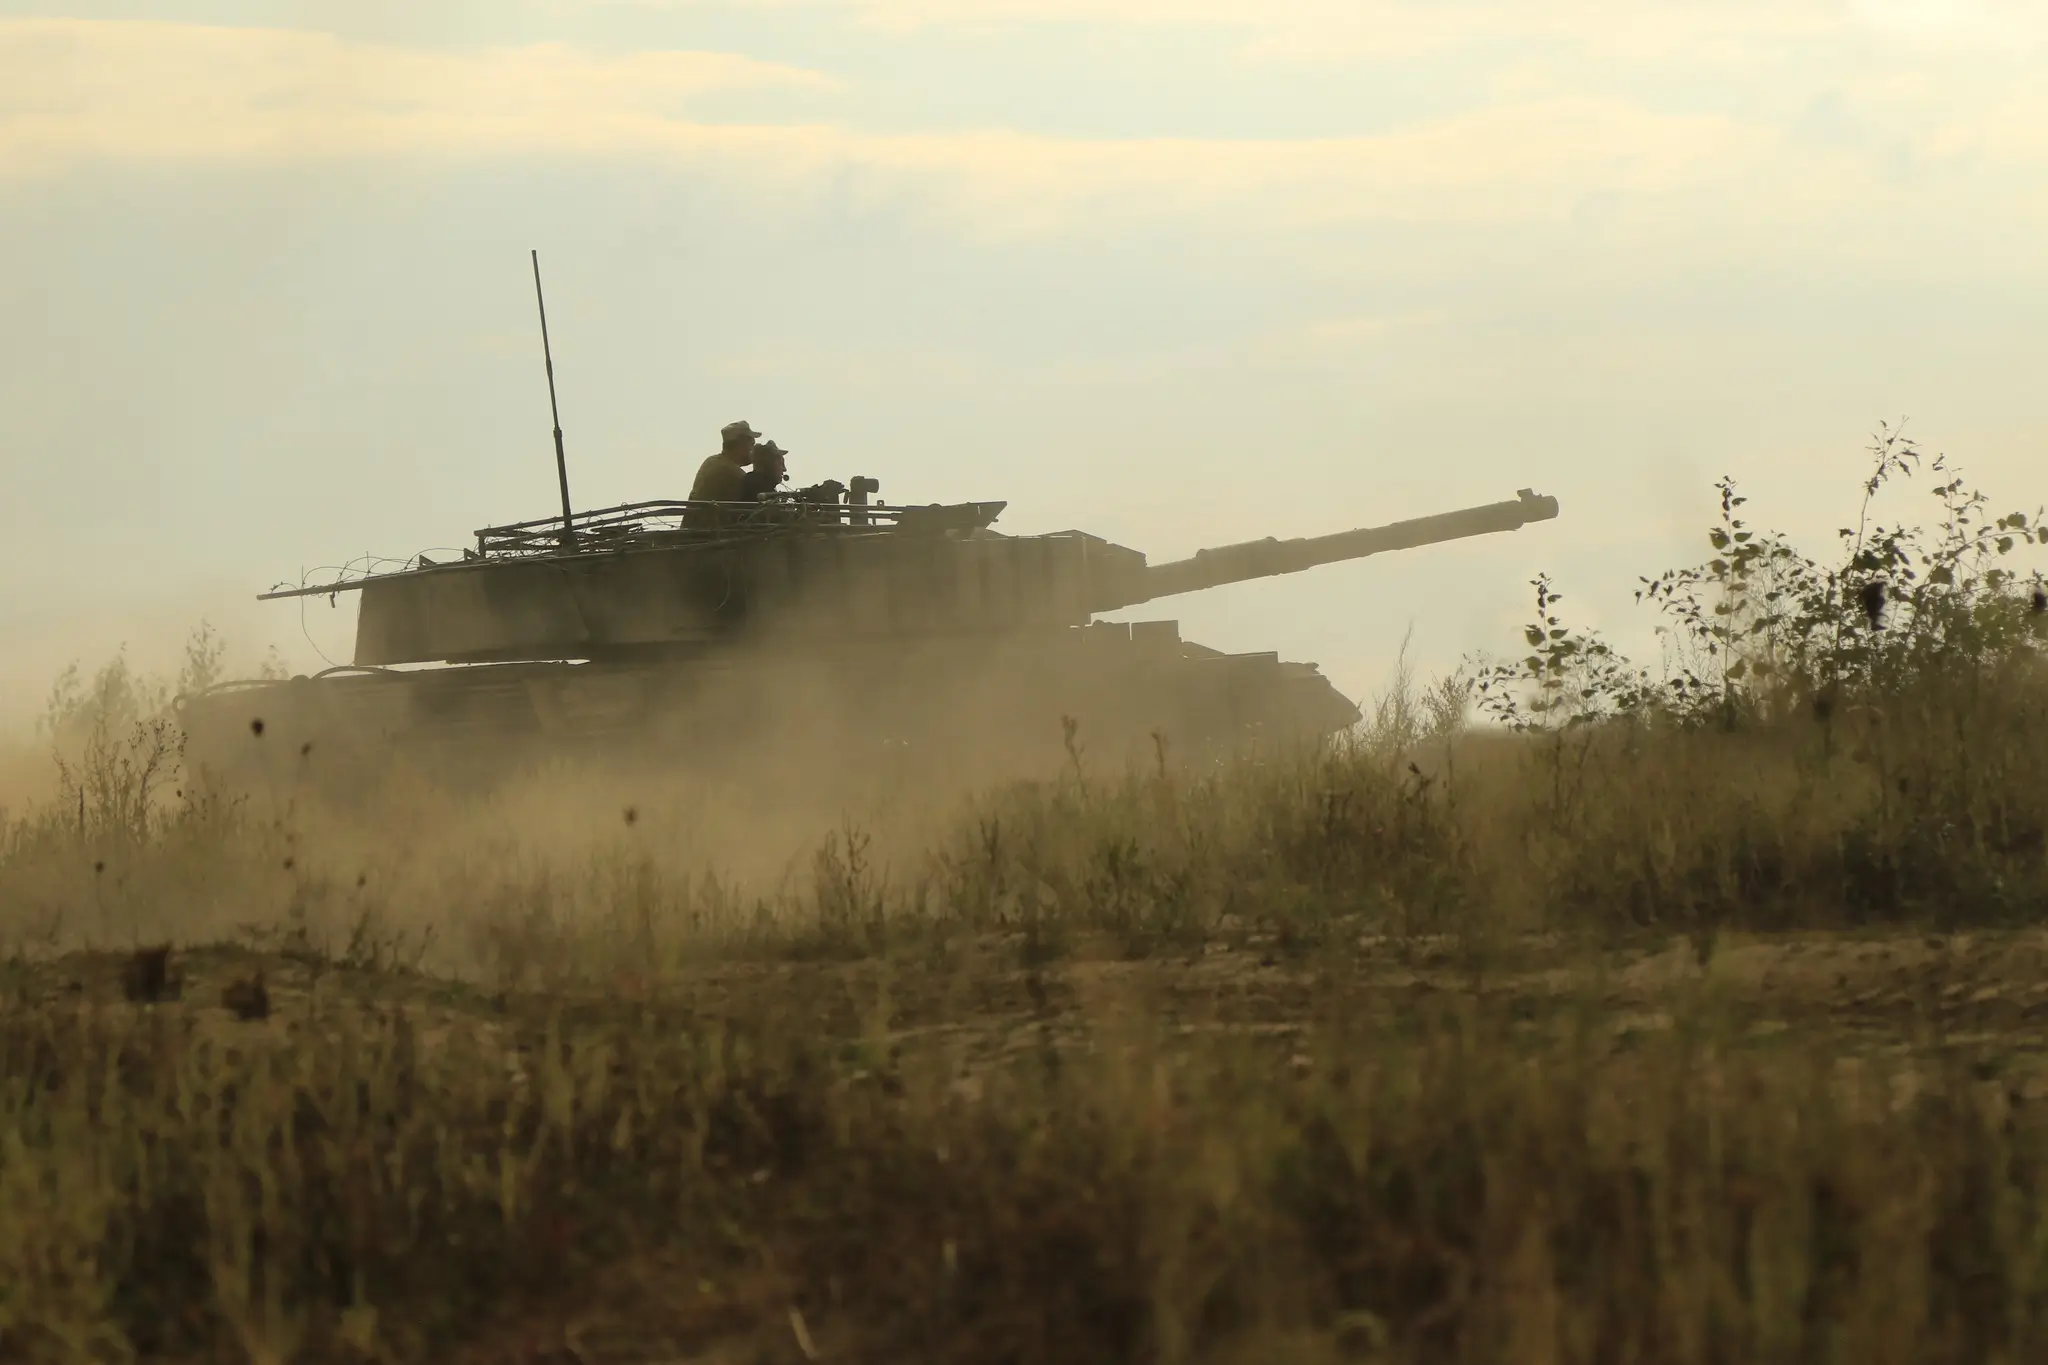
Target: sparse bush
<point x="1825" y="746"/>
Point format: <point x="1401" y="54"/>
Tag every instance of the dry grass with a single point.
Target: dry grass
<point x="1659" y="1030"/>
<point x="1344" y="1159"/>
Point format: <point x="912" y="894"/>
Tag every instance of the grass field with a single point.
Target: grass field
<point x="1688" y="1017"/>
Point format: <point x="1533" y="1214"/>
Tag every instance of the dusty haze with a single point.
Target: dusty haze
<point x="1178" y="272"/>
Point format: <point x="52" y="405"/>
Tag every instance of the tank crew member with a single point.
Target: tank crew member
<point x="720" y="478"/>
<point x="771" y="467"/>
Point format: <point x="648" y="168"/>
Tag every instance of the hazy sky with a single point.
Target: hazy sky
<point x="1177" y="272"/>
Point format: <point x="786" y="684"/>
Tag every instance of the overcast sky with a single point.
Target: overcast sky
<point x="1177" y="272"/>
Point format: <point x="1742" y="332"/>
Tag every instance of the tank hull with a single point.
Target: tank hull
<point x="1102" y="695"/>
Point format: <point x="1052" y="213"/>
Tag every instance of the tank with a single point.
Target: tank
<point x="820" y="626"/>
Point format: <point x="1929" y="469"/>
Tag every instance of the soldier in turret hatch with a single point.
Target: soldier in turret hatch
<point x="771" y="467"/>
<point x="721" y="477"/>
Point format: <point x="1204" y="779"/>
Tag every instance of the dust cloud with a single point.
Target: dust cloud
<point x="720" y="796"/>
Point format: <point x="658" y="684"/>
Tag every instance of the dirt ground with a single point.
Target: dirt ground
<point x="1983" y="993"/>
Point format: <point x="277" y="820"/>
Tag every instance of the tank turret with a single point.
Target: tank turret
<point x="655" y="578"/>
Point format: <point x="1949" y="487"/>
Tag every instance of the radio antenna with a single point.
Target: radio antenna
<point x="561" y="461"/>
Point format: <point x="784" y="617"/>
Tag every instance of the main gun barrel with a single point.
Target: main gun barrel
<point x="1270" y="557"/>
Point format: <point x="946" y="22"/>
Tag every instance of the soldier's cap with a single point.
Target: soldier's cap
<point x="734" y="430"/>
<point x="770" y="448"/>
